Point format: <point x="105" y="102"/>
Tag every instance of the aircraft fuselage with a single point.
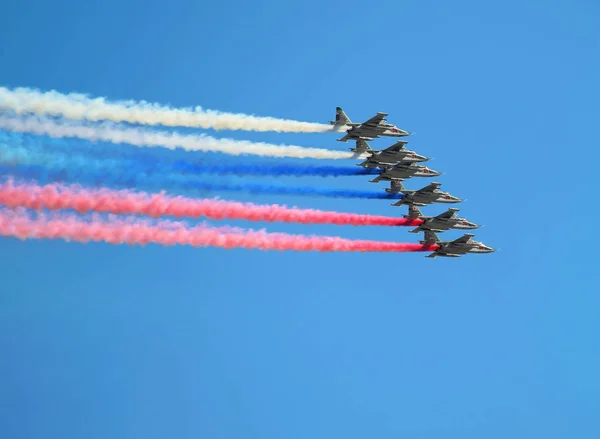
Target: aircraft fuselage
<point x="440" y="225"/>
<point x="451" y="249"/>
<point x="374" y="132"/>
<point x="406" y="171"/>
<point x="395" y="157"/>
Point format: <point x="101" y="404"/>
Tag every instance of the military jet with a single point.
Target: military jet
<point x="454" y="249"/>
<point x="444" y="221"/>
<point x="421" y="197"/>
<point x="404" y="170"/>
<point x="389" y="156"/>
<point x="373" y="128"/>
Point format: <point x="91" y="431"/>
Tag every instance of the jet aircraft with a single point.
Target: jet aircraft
<point x="404" y="170"/>
<point x="389" y="156"/>
<point x="421" y="197"/>
<point x="454" y="249"/>
<point x="444" y="221"/>
<point x="373" y="128"/>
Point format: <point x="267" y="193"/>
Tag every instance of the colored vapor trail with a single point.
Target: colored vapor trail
<point x="126" y="178"/>
<point x="75" y="106"/>
<point x="82" y="200"/>
<point x="277" y="170"/>
<point x="23" y="225"/>
<point x="109" y="132"/>
<point x="63" y="160"/>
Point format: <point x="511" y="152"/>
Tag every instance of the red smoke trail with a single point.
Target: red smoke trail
<point x="56" y="196"/>
<point x="134" y="231"/>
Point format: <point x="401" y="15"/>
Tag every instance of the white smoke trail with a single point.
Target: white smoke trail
<point x="109" y="132"/>
<point x="75" y="106"/>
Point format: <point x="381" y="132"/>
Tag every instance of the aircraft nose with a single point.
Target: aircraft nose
<point x="447" y="198"/>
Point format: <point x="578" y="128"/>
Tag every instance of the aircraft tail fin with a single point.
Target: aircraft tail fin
<point x="430" y="238"/>
<point x="361" y="146"/>
<point x="414" y="212"/>
<point x="395" y="187"/>
<point x="340" y="117"/>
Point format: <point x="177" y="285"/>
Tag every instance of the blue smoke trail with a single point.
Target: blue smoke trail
<point x="10" y="154"/>
<point x="96" y="149"/>
<point x="275" y="171"/>
<point x="126" y="178"/>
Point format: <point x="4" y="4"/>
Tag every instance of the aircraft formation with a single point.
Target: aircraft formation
<point x="396" y="164"/>
<point x="57" y="182"/>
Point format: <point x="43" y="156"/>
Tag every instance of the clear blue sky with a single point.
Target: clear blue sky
<point x="103" y="341"/>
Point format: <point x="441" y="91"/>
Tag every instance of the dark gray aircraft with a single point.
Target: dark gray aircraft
<point x="454" y="249"/>
<point x="404" y="170"/>
<point x="373" y="128"/>
<point x="444" y="221"/>
<point x="389" y="156"/>
<point x="421" y="197"/>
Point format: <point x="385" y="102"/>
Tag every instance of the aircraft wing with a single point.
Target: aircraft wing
<point x="396" y="147"/>
<point x="450" y="213"/>
<point x="463" y="239"/>
<point x="376" y="120"/>
<point x="346" y="138"/>
<point x="428" y="189"/>
<point x="439" y="253"/>
<point x="353" y="135"/>
<point x="370" y="164"/>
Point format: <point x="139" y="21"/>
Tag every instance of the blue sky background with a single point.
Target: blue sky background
<point x="105" y="341"/>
